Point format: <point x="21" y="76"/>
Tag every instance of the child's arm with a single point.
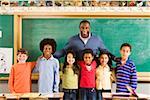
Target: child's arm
<point x="133" y="77"/>
<point x="36" y="68"/>
<point x="97" y="78"/>
<point x="56" y="77"/>
<point x="11" y="81"/>
<point x="113" y="76"/>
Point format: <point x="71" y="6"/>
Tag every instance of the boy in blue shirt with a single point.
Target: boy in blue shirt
<point x="125" y="70"/>
<point x="48" y="67"/>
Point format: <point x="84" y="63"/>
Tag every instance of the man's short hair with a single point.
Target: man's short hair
<point x="84" y="21"/>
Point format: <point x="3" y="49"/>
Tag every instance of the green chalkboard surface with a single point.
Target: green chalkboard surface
<point x="114" y="32"/>
<point x="6" y="26"/>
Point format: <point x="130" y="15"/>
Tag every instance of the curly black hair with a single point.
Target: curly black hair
<point x="48" y="41"/>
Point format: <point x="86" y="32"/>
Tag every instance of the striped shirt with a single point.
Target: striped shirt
<point x="126" y="75"/>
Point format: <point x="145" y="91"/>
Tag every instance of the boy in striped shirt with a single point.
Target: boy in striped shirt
<point x="125" y="70"/>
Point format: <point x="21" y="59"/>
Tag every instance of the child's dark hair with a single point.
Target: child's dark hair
<point x="109" y="57"/>
<point x="22" y="51"/>
<point x="48" y="41"/>
<point x="75" y="67"/>
<point x="126" y="44"/>
<point x="86" y="51"/>
<point x="84" y="21"/>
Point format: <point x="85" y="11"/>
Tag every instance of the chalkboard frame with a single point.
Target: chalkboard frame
<point x="18" y="18"/>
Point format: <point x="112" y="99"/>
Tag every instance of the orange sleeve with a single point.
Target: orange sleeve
<point x="32" y="65"/>
<point x="11" y="80"/>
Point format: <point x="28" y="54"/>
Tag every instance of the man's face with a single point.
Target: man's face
<point x="84" y="30"/>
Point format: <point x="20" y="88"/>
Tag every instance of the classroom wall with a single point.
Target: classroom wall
<point x="142" y="37"/>
<point x="114" y="32"/>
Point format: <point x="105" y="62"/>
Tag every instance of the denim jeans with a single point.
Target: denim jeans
<point x="99" y="95"/>
<point x="70" y="94"/>
<point x="87" y="94"/>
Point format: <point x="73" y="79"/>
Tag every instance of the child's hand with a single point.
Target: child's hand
<point x="117" y="59"/>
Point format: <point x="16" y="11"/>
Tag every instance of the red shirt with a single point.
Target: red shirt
<point x="87" y="79"/>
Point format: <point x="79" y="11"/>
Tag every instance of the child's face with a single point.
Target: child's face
<point x="125" y="52"/>
<point x="22" y="58"/>
<point x="47" y="50"/>
<point x="84" y="30"/>
<point x="70" y="59"/>
<point x="88" y="58"/>
<point x="104" y="59"/>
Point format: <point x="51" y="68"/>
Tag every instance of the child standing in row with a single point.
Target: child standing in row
<point x="103" y="75"/>
<point x="87" y="78"/>
<point x="125" y="70"/>
<point x="70" y="77"/>
<point x="48" y="67"/>
<point x="20" y="75"/>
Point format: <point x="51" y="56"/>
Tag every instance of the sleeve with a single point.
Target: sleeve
<point x="56" y="77"/>
<point x="32" y="65"/>
<point x="11" y="81"/>
<point x="62" y="52"/>
<point x="59" y="54"/>
<point x="102" y="48"/>
<point x="101" y="44"/>
<point x="133" y="77"/>
<point x="36" y="68"/>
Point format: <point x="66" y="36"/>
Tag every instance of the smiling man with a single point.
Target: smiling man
<point x="85" y="39"/>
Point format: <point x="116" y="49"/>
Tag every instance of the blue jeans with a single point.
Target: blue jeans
<point x="70" y="94"/>
<point x="99" y="95"/>
<point x="87" y="94"/>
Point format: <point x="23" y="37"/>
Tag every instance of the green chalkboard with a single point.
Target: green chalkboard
<point x="114" y="32"/>
<point x="6" y="26"/>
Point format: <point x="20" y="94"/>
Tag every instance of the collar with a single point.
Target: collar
<point x="106" y="67"/>
<point x="85" y="39"/>
<point x="43" y="58"/>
